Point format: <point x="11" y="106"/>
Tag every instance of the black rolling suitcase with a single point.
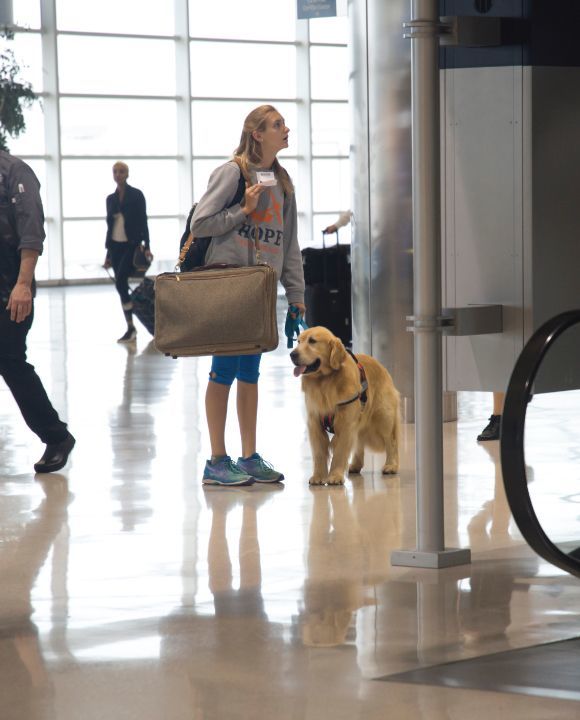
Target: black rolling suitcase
<point x="327" y="295"/>
<point x="143" y="299"/>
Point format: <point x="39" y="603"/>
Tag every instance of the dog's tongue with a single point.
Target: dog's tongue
<point x="299" y="370"/>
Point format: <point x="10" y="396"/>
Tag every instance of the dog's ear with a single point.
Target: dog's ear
<point x="337" y="354"/>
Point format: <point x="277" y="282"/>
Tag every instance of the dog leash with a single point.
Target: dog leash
<point x="294" y="321"/>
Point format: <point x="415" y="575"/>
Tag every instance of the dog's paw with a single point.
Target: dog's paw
<point x="335" y="479"/>
<point x="317" y="480"/>
<point x="390" y="469"/>
<point x="354" y="469"/>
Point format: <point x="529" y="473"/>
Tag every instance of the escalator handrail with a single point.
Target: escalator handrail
<point x="513" y="464"/>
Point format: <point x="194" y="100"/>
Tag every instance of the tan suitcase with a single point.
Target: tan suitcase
<point x="216" y="310"/>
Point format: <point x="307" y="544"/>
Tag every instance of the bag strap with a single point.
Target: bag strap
<point x="185" y="248"/>
<point x="257" y="244"/>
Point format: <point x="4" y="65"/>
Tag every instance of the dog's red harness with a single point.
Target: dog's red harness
<point x="328" y="420"/>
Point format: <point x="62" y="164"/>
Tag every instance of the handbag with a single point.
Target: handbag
<point x="141" y="261"/>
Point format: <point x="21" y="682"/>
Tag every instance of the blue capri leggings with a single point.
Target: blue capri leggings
<point x="226" y="369"/>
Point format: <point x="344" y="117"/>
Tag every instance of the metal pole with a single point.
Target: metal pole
<point x="430" y="550"/>
<point x="427" y="280"/>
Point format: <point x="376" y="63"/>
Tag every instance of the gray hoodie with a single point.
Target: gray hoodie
<point x="233" y="233"/>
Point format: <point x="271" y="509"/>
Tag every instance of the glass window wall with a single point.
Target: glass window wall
<point x="328" y="73"/>
<point x="271" y="70"/>
<point x="329" y="30"/>
<point x="26" y="13"/>
<point x="330" y="129"/>
<point x="116" y="66"/>
<point x="118" y="126"/>
<point x="127" y="17"/>
<point x="235" y="20"/>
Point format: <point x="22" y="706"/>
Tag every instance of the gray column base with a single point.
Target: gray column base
<point x="436" y="560"/>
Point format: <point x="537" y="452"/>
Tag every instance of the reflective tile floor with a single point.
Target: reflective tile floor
<point x="127" y="591"/>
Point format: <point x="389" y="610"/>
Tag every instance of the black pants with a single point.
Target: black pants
<point x="121" y="255"/>
<point x="24" y="383"/>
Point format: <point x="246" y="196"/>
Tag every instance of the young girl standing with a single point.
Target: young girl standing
<point x="268" y="212"/>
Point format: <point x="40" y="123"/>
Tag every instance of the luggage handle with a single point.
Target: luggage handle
<point x="324" y="268"/>
<point x="324" y="241"/>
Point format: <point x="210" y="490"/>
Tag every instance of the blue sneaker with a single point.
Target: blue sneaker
<point x="261" y="470"/>
<point x="225" y="472"/>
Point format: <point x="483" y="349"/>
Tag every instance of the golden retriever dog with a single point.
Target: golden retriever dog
<point x="332" y="383"/>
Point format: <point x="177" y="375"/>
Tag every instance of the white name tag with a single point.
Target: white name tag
<point x="267" y="178"/>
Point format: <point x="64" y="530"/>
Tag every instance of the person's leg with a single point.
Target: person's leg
<point x="220" y="469"/>
<point x="247" y="401"/>
<point x="122" y="261"/>
<point x="492" y="430"/>
<point x="247" y="404"/>
<point x="30" y="395"/>
<point x="24" y="383"/>
<point x="216" y="410"/>
<point x="498" y="401"/>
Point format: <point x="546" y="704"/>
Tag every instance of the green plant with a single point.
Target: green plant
<point x="14" y="94"/>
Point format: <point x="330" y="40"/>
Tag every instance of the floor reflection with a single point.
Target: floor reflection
<point x="348" y="547"/>
<point x="237" y="639"/>
<point x="133" y="414"/>
<point x="26" y="685"/>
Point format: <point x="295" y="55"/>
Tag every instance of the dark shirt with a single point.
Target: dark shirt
<point x="21" y="218"/>
<point x="134" y="213"/>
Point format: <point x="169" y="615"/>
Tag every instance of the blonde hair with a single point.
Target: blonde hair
<point x="249" y="151"/>
<point x="122" y="164"/>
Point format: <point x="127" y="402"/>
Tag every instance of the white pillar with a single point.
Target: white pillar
<point x="50" y="103"/>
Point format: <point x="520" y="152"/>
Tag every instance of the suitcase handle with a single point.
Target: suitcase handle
<point x="324" y="240"/>
<point x="324" y="268"/>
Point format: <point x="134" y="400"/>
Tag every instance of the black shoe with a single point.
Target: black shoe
<point x="55" y="456"/>
<point x="129" y="336"/>
<point x="491" y="430"/>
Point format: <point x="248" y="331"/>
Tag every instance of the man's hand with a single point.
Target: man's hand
<point x="20" y="302"/>
<point x="107" y="264"/>
<point x="330" y="229"/>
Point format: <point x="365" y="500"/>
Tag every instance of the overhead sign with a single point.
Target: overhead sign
<point x="316" y="8"/>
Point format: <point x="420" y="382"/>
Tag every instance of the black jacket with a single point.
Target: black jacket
<point x="134" y="212"/>
<point x="21" y="218"/>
